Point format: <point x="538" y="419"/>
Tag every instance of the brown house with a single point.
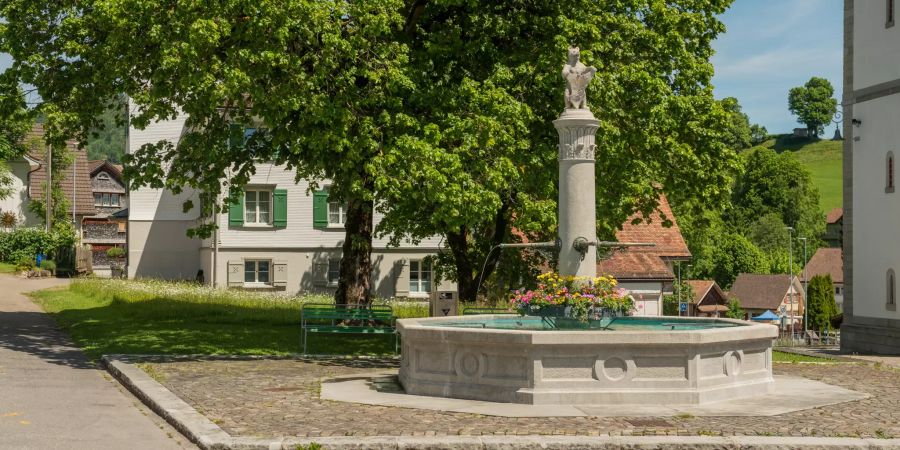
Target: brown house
<point x="647" y="272"/>
<point x="778" y="293"/>
<point x="109" y="226"/>
<point x="709" y="299"/>
<point x="834" y="228"/>
<point x="75" y="181"/>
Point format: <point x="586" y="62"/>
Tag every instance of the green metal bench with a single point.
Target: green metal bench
<point x="329" y="318"/>
<point x="473" y="311"/>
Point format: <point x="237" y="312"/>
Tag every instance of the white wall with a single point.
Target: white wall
<point x="18" y="200"/>
<point x="876" y="49"/>
<point x="876" y="214"/>
<point x="648" y="296"/>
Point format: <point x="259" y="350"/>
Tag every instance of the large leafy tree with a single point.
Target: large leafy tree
<point x="441" y="108"/>
<point x="484" y="169"/>
<point x="739" y="135"/>
<point x="813" y="104"/>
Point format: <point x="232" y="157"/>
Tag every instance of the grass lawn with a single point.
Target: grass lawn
<point x="785" y="357"/>
<point x="7" y="268"/>
<point x="153" y="317"/>
<point x="824" y="159"/>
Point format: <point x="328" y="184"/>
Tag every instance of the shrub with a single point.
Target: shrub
<point x="22" y="243"/>
<point x="48" y="265"/>
<point x="115" y="252"/>
<point x="25" y="263"/>
<point x="9" y="219"/>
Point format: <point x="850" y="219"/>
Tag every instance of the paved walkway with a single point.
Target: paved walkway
<point x="276" y="398"/>
<point x="51" y="396"/>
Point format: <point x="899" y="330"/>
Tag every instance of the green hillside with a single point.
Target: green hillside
<point x="824" y="160"/>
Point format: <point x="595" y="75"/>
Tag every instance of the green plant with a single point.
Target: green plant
<point x="48" y="265"/>
<point x="9" y="219"/>
<point x="22" y="243"/>
<point x="734" y="310"/>
<point x="24" y="263"/>
<point x="116" y="252"/>
<point x="310" y="446"/>
<point x="881" y="434"/>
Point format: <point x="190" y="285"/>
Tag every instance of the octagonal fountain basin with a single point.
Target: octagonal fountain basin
<point x="627" y="360"/>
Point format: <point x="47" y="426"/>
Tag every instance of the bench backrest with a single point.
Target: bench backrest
<point x="327" y="311"/>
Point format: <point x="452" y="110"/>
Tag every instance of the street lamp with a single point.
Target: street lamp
<point x="805" y="291"/>
<point x="790" y="231"/>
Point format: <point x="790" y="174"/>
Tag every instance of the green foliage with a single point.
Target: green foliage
<point x="681" y="290"/>
<point x="785" y="357"/>
<point x="115" y="252"/>
<point x="25" y="243"/>
<point x="443" y="108"/>
<point x="820" y="298"/>
<point x="813" y="104"/>
<point x="824" y="160"/>
<point x="776" y="183"/>
<point x="734" y="310"/>
<point x="107" y="316"/>
<point x="733" y="254"/>
<point x="24" y="263"/>
<point x="48" y="265"/>
<point x="739" y="134"/>
<point x="758" y="134"/>
<point x="107" y="141"/>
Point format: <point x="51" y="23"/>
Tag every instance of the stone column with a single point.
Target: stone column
<point x="577" y="205"/>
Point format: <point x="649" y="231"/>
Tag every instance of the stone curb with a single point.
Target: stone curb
<point x="209" y="436"/>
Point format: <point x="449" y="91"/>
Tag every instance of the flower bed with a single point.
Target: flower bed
<point x="581" y="298"/>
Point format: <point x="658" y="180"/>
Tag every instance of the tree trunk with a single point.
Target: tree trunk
<point x="356" y="262"/>
<point x="467" y="277"/>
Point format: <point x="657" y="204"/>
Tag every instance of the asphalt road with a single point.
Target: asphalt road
<point x="52" y="397"/>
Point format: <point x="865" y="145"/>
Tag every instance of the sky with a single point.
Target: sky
<point x="771" y="46"/>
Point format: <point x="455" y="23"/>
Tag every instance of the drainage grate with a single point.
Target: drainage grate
<point x="650" y="423"/>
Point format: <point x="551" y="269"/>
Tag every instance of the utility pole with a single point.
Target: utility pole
<point x="679" y="288"/>
<point x="805" y="291"/>
<point x="49" y="206"/>
<point x="790" y="231"/>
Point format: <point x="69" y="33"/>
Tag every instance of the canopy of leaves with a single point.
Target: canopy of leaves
<point x="813" y="104"/>
<point x="108" y="140"/>
<point x="733" y="255"/>
<point x="734" y="309"/>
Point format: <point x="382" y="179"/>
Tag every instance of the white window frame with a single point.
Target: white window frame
<point x="103" y="176"/>
<point x="341" y="210"/>
<point x="256" y="210"/>
<point x="256" y="282"/>
<point x="334" y="268"/>
<point x="416" y="286"/>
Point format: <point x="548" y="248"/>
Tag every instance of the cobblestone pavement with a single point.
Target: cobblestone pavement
<point x="275" y="398"/>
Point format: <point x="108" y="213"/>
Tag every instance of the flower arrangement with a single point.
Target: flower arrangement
<point x="582" y="294"/>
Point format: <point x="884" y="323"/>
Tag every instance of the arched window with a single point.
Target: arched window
<point x="889" y="173"/>
<point x="891" y="290"/>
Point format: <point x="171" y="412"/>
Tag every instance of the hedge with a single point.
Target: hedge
<point x="22" y="243"/>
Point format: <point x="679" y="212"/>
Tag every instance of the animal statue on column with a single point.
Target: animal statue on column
<point x="577" y="77"/>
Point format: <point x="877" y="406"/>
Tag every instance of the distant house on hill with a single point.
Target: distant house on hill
<point x="709" y="299"/>
<point x="829" y="261"/>
<point x="778" y="293"/>
<point x="647" y="272"/>
<point x="834" y="228"/>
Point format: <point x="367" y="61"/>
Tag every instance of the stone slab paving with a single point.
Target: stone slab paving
<point x="280" y="398"/>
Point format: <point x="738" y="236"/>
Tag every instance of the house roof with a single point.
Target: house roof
<point x="702" y="289"/>
<point x="81" y="187"/>
<point x="99" y="164"/>
<point x="756" y="291"/>
<point x="834" y="215"/>
<point x="647" y="263"/>
<point x="827" y="261"/>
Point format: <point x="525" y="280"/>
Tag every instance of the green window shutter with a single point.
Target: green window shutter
<point x="236" y="213"/>
<point x="279" y="216"/>
<point x="320" y="209"/>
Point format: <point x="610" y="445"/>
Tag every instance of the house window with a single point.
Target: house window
<point x="889" y="173"/>
<point x="106" y="199"/>
<point x="889" y="14"/>
<point x="334" y="271"/>
<point x="837" y="290"/>
<point x="103" y="176"/>
<point x="257" y="207"/>
<point x="98" y="199"/>
<point x="257" y="272"/>
<point x="419" y="277"/>
<point x="337" y="213"/>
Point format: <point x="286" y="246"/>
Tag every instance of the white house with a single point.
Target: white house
<point x="278" y="237"/>
<point x="871" y="107"/>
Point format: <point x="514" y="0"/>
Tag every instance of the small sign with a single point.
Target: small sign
<point x="783" y="309"/>
<point x="682" y="306"/>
